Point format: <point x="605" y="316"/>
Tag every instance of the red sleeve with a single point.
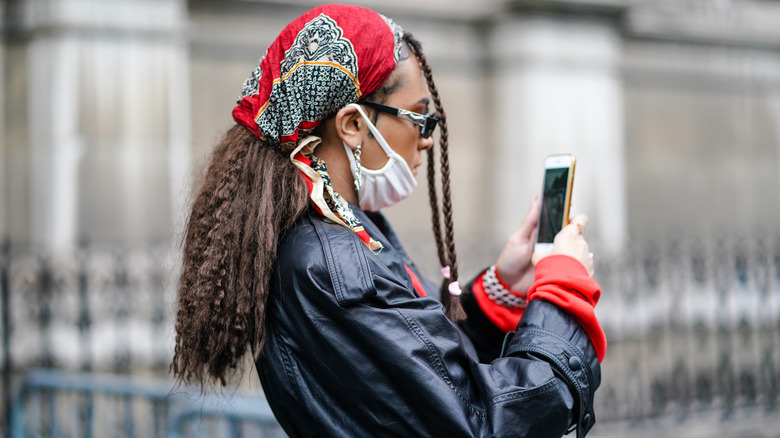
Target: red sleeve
<point x="502" y="317"/>
<point x="564" y="281"/>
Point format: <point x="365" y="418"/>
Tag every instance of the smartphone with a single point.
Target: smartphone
<point x="556" y="199"/>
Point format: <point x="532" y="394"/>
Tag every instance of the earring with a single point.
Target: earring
<point x="356" y="153"/>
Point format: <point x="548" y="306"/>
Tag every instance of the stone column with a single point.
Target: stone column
<point x="106" y="127"/>
<point x="3" y="141"/>
<point x="557" y="89"/>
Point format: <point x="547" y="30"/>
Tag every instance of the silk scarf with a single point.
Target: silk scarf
<point x="325" y="59"/>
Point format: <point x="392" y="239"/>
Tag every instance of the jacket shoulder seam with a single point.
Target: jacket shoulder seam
<point x="332" y="261"/>
<point x="288" y="367"/>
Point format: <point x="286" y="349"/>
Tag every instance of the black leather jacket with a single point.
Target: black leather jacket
<point x="352" y="351"/>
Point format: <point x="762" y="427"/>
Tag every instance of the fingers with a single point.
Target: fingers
<point x="528" y="226"/>
<point x="580" y="222"/>
<point x="570" y="241"/>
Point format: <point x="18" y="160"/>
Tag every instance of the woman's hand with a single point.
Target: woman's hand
<point x="570" y="241"/>
<point x="514" y="264"/>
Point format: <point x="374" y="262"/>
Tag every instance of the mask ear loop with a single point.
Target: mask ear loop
<point x="375" y="132"/>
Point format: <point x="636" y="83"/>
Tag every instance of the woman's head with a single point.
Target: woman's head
<point x="260" y="178"/>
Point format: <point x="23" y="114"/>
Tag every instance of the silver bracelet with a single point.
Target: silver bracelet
<point x="500" y="294"/>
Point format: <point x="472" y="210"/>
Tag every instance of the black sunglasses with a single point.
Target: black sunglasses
<point x="426" y="123"/>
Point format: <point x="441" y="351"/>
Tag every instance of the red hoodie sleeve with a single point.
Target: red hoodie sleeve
<point x="502" y="317"/>
<point x="561" y="280"/>
<point x="564" y="281"/>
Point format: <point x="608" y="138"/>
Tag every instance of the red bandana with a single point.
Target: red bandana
<point x="327" y="58"/>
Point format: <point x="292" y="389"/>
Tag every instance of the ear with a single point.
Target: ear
<point x="350" y="126"/>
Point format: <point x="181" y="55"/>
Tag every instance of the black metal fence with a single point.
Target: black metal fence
<point x="91" y="309"/>
<point x="693" y="325"/>
<point x="53" y="403"/>
<point x="95" y="309"/>
<point x="694" y="336"/>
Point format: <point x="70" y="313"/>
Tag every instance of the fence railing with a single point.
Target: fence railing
<point x="694" y="331"/>
<point x="54" y="403"/>
<point x="92" y="309"/>
<point x="95" y="309"/>
<point x="693" y="325"/>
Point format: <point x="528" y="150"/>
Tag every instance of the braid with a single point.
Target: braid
<point x="446" y="246"/>
<point x="435" y="214"/>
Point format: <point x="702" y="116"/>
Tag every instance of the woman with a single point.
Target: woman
<point x="285" y="252"/>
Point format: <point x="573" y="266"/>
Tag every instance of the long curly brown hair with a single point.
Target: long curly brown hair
<point x="250" y="197"/>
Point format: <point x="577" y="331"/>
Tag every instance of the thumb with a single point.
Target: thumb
<point x="528" y="226"/>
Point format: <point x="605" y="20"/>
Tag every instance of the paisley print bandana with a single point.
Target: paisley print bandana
<point x="327" y="58"/>
<point x="327" y="201"/>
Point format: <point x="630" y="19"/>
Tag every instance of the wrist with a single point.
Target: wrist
<point x="499" y="291"/>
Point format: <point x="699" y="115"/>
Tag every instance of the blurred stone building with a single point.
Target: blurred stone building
<point x="109" y="109"/>
<point x="671" y="106"/>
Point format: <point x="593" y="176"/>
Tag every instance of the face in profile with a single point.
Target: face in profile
<point x="402" y="135"/>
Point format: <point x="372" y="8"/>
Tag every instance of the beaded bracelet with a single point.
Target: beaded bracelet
<point x="499" y="293"/>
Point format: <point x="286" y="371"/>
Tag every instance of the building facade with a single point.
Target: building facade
<point x="109" y="110"/>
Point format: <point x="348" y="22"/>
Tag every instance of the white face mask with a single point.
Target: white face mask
<point x="384" y="187"/>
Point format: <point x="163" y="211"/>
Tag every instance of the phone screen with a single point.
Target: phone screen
<point x="553" y="204"/>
